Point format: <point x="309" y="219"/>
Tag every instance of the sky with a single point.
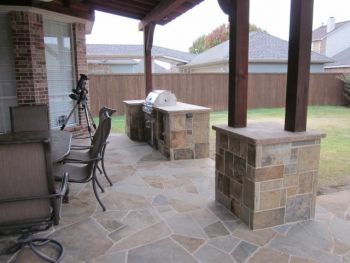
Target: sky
<point x="179" y="34"/>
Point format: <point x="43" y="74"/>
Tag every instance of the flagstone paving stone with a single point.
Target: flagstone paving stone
<point x="209" y="254"/>
<point x="184" y="224"/>
<point x="203" y="217"/>
<point x="164" y="212"/>
<point x="258" y="237"/>
<point x="243" y="251"/>
<point x="270" y="256"/>
<point x="111" y="220"/>
<point x="163" y="251"/>
<point x="189" y="243"/>
<point x="83" y="241"/>
<point x="215" y="230"/>
<point x="118" y="257"/>
<point x="225" y="243"/>
<point x="147" y="235"/>
<point x="300" y="249"/>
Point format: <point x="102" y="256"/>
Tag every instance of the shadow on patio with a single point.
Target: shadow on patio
<point x="161" y="211"/>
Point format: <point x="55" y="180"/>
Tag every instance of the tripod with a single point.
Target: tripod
<point x="79" y="95"/>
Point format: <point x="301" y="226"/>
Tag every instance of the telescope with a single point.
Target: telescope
<point x="79" y="95"/>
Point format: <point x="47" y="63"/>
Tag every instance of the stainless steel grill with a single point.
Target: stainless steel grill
<point x="156" y="98"/>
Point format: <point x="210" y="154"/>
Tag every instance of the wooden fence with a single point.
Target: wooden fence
<point x="210" y="89"/>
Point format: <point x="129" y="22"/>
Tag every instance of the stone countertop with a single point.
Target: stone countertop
<point x="134" y="102"/>
<point x="268" y="133"/>
<point x="183" y="107"/>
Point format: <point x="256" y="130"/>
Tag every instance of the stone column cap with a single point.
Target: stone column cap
<point x="268" y="133"/>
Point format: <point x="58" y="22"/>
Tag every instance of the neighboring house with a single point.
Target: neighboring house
<point x="341" y="63"/>
<point x="115" y="58"/>
<point x="333" y="40"/>
<point x="267" y="54"/>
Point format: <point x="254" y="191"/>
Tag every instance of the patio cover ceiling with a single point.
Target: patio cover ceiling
<point x="147" y="11"/>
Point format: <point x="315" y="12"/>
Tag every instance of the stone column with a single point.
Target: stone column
<point x="265" y="175"/>
<point x="134" y="120"/>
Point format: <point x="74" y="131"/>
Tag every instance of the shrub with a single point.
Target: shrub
<point x="346" y="81"/>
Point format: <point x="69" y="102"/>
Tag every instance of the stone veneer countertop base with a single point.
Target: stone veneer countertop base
<point x="268" y="133"/>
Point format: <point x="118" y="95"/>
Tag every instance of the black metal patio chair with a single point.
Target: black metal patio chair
<point x="77" y="152"/>
<point x="29" y="200"/>
<point x="84" y="171"/>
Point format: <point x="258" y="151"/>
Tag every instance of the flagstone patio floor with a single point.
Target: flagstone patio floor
<point x="163" y="212"/>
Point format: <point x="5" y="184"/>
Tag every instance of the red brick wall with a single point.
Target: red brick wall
<point x="80" y="59"/>
<point x="29" y="53"/>
<point x="30" y="64"/>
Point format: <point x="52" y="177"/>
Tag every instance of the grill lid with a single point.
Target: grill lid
<point x="160" y="98"/>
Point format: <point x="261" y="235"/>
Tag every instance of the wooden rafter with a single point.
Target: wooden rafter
<point x="161" y="12"/>
<point x="138" y="9"/>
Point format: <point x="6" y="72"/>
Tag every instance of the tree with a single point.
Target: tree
<point x="198" y="45"/>
<point x="216" y="37"/>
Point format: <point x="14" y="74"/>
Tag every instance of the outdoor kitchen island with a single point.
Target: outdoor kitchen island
<point x="178" y="131"/>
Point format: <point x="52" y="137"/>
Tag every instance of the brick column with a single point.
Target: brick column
<point x="81" y="66"/>
<point x="29" y="53"/>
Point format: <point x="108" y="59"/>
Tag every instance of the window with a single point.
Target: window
<point x="8" y="95"/>
<point x="60" y="71"/>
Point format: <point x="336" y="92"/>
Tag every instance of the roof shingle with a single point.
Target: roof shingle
<point x="263" y="47"/>
<point x="340" y="59"/>
<point x="136" y="51"/>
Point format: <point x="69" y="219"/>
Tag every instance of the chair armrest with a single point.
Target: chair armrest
<point x="27" y="198"/>
<point x="82" y="161"/>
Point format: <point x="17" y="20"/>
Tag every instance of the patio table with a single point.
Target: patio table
<point x="60" y="141"/>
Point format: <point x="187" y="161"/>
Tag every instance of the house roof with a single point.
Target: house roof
<point x="156" y="68"/>
<point x="320" y="32"/>
<point x="342" y="59"/>
<point x="113" y="61"/>
<point x="135" y="51"/>
<point x="263" y="47"/>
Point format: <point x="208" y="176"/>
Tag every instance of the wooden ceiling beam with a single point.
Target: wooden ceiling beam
<point x="160" y="12"/>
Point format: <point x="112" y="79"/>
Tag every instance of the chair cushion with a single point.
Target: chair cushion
<point x="78" y="155"/>
<point x="76" y="173"/>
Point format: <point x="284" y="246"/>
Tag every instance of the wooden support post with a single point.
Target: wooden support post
<point x="238" y="11"/>
<point x="300" y="34"/>
<point x="148" y="32"/>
